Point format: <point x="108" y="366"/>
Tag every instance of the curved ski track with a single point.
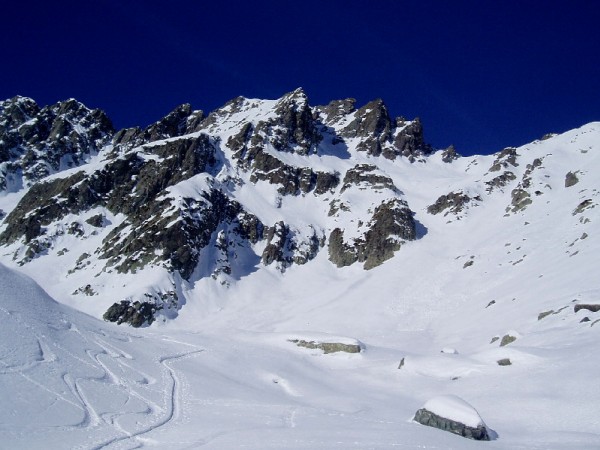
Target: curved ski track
<point x="172" y="402"/>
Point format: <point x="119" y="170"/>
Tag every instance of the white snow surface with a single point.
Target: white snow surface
<point x="223" y="374"/>
<point x="454" y="408"/>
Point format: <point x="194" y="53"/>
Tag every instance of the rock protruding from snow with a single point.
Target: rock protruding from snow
<point x="287" y="246"/>
<point x="450" y="154"/>
<point x="506" y="157"/>
<point x="391" y="225"/>
<point x="453" y="414"/>
<point x="135" y="314"/>
<point x="571" y="179"/>
<point x="328" y="347"/>
<point x="380" y="135"/>
<point x="454" y="203"/>
<point x="182" y="120"/>
<point x="36" y="142"/>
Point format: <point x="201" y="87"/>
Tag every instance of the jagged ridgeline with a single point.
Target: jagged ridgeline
<point x="205" y="195"/>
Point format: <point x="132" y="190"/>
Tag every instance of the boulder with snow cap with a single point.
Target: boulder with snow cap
<point x="453" y="414"/>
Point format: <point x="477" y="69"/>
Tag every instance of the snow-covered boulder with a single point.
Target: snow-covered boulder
<point x="453" y="414"/>
<point x="328" y="343"/>
<point x="449" y="351"/>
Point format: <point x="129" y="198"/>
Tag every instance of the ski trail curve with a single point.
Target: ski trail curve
<point x="172" y="401"/>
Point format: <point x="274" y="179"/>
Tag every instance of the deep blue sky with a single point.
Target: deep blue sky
<point x="480" y="75"/>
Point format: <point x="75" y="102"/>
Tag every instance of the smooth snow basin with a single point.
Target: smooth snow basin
<point x="454" y="408"/>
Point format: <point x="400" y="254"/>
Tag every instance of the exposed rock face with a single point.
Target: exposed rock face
<point x="372" y="123"/>
<point x="592" y="308"/>
<point x="291" y="129"/>
<point x="294" y="127"/>
<point x="507" y="339"/>
<point x="479" y="433"/>
<point x="391" y="225"/>
<point x="571" y="179"/>
<point x="336" y="110"/>
<point x="167" y="196"/>
<point x="504" y="159"/>
<point x="328" y="347"/>
<point x="450" y="154"/>
<point x="135" y="183"/>
<point x="291" y="180"/>
<point x="154" y="230"/>
<point x="500" y="181"/>
<point x="584" y="205"/>
<point x="135" y="314"/>
<point x="454" y="202"/>
<point x="381" y="136"/>
<point x="520" y="200"/>
<point x="280" y="246"/>
<point x="36" y="142"/>
<point x="409" y="141"/>
<point x="366" y="176"/>
<point x="182" y="120"/>
<point x="286" y="246"/>
<point x="521" y="195"/>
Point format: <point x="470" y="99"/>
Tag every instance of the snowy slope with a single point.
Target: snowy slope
<point x="505" y="256"/>
<point x="74" y="382"/>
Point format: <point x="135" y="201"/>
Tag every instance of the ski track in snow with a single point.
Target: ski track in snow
<point x="102" y="359"/>
<point x="95" y="386"/>
<point x="172" y="401"/>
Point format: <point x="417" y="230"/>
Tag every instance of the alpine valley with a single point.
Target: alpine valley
<point x="280" y="275"/>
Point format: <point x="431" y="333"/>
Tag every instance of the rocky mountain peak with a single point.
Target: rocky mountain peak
<point x="256" y="185"/>
<point x="336" y="110"/>
<point x="181" y="121"/>
<point x="35" y="143"/>
<point x="296" y="99"/>
<point x="16" y="111"/>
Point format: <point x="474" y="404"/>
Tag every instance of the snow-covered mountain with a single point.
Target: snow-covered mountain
<point x="271" y="224"/>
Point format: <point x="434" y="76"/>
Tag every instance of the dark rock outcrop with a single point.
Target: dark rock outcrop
<point x="506" y="157"/>
<point x="409" y="141"/>
<point x="586" y="204"/>
<point x="182" y="120"/>
<point x="450" y="154"/>
<point x="135" y="313"/>
<point x="520" y="199"/>
<point x="165" y="195"/>
<point x="36" y="142"/>
<point x="507" y="339"/>
<point x="367" y="176"/>
<point x="500" y="181"/>
<point x="521" y="195"/>
<point x="571" y="179"/>
<point x="379" y="135"/>
<point x="294" y="128"/>
<point x="336" y="110"/>
<point x="373" y="124"/>
<point x="392" y="223"/>
<point x="454" y="202"/>
<point x="425" y="417"/>
<point x="588" y="307"/>
<point x="285" y="247"/>
<point x="328" y="347"/>
<point x="154" y="230"/>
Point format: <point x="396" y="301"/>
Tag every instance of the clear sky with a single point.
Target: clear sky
<point x="481" y="75"/>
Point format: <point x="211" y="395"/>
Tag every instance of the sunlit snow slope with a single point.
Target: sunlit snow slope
<point x="492" y="302"/>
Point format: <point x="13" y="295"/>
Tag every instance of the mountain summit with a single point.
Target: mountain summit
<point x="293" y="276"/>
<point x="255" y="185"/>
